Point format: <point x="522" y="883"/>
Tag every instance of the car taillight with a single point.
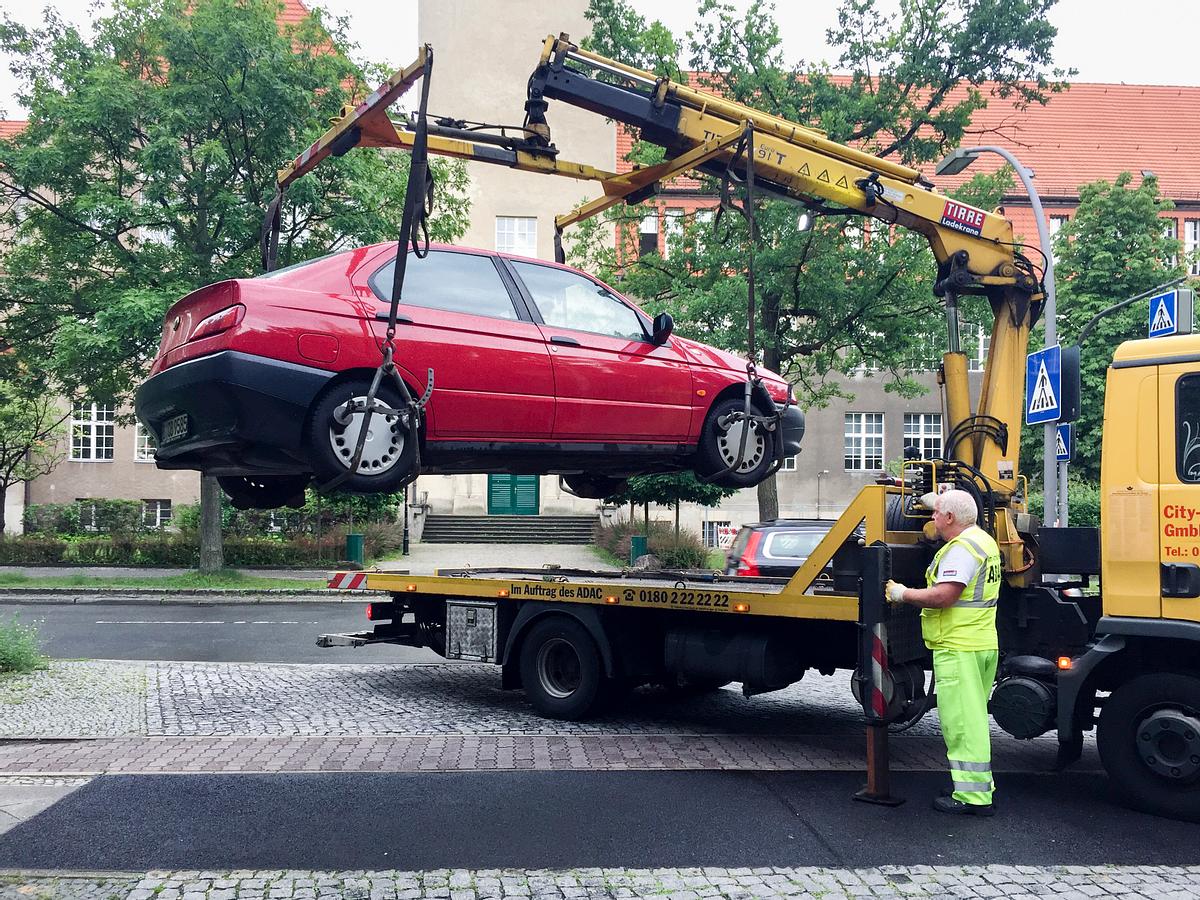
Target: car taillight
<point x="218" y="322"/>
<point x="746" y="564"/>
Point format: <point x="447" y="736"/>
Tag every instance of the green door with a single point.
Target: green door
<point x="512" y="495"/>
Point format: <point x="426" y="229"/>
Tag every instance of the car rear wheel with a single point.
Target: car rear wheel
<point x="264" y="491"/>
<point x="721" y="440"/>
<point x="594" y="487"/>
<point x="388" y="454"/>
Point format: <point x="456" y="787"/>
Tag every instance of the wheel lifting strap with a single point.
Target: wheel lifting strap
<point x="418" y="206"/>
<point x="269" y="240"/>
<point x="745" y="148"/>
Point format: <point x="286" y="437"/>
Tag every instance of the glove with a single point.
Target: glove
<point x="895" y="592"/>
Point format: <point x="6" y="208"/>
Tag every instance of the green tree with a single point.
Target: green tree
<point x="150" y="154"/>
<point x="670" y="489"/>
<point x="31" y="431"/>
<point x="1112" y="248"/>
<point x="845" y="294"/>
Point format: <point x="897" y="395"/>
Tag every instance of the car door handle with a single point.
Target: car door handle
<point x="565" y="341"/>
<point x="400" y="320"/>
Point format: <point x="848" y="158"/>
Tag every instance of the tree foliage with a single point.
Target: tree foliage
<point x="31" y="430"/>
<point x="150" y="154"/>
<point x="1113" y="248"/>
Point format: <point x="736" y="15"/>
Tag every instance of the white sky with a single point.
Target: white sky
<point x="1148" y="42"/>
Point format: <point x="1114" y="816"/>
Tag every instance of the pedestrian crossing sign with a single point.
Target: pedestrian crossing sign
<point x="1063" y="444"/>
<point x="1043" y="386"/>
<point x="1171" y="313"/>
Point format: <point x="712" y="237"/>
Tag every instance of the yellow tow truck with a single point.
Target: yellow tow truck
<point x="1126" y="662"/>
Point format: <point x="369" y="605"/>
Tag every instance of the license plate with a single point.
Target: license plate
<point x="175" y="428"/>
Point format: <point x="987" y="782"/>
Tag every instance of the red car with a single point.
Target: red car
<point x="539" y="369"/>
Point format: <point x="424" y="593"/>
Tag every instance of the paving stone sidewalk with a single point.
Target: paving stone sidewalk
<point x="1020" y="882"/>
<point x="93" y="718"/>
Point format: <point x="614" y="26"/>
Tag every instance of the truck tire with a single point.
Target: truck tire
<point x="561" y="669"/>
<point x="1149" y="742"/>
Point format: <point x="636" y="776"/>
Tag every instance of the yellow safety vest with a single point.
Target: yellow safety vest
<point x="970" y="624"/>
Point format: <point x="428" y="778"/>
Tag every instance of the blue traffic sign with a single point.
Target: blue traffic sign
<point x="1164" y="314"/>
<point x="1064" y="443"/>
<point x="1043" y="386"/>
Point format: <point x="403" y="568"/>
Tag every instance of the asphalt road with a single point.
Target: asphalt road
<point x="570" y="819"/>
<point x="260" y="632"/>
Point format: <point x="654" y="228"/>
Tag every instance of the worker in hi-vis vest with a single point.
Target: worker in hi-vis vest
<point x="958" y="622"/>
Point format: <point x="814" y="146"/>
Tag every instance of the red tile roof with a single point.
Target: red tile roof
<point x="11" y="127"/>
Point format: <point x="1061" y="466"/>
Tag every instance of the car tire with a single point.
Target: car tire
<point x="594" y="487"/>
<point x="389" y="455"/>
<point x="561" y="669"/>
<point x="1139" y="766"/>
<point x="264" y="491"/>
<point x="718" y="449"/>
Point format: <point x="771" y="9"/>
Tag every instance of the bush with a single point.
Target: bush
<point x="1083" y="503"/>
<point x="19" y="649"/>
<point x="99" y="516"/>
<point x="688" y="552"/>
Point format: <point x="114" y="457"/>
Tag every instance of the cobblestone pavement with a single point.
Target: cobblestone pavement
<point x="219" y="717"/>
<point x="77" y="699"/>
<point x="1021" y="882"/>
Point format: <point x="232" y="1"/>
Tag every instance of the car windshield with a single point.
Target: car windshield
<point x="792" y="544"/>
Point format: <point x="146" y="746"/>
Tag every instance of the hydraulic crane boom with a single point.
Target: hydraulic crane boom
<point x="974" y="249"/>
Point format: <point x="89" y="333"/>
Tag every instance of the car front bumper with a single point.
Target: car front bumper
<point x="244" y="413"/>
<point x="792" y="426"/>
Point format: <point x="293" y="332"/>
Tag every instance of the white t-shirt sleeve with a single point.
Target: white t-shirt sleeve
<point x="957" y="565"/>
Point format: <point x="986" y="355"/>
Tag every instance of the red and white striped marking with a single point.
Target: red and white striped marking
<point x="878" y="667"/>
<point x="348" y="581"/>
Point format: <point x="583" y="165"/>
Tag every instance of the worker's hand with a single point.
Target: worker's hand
<point x="895" y="592"/>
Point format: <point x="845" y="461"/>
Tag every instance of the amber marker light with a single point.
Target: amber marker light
<point x="410" y="587"/>
<point x="611" y="600"/>
<point x="702" y="393"/>
<point x="741" y="607"/>
<point x="501" y="593"/>
<point x="1064" y="662"/>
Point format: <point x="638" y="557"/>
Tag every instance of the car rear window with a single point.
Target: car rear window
<point x="457" y="282"/>
<point x="792" y="544"/>
<point x="739" y="542"/>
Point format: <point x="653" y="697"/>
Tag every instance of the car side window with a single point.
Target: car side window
<point x="458" y="282"/>
<point x="568" y="300"/>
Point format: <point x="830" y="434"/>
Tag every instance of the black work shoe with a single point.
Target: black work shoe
<point x="958" y="808"/>
<point x="949" y="792"/>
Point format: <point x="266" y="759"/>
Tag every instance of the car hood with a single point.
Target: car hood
<point x="706" y="355"/>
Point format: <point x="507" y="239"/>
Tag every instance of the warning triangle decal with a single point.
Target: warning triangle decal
<point x="804" y="170"/>
<point x="1060" y="446"/>
<point x="1043" y="399"/>
<point x="842" y="182"/>
<point x="1162" y="318"/>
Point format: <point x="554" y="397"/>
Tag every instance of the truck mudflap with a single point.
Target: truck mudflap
<point x="1070" y="684"/>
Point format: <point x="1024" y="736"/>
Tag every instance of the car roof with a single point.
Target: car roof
<point x="825" y="524"/>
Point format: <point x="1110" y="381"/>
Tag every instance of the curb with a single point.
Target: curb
<point x="162" y="596"/>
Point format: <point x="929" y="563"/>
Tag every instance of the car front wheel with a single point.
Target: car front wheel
<point x="389" y="452"/>
<point x="721" y="441"/>
<point x="264" y="491"/>
<point x="594" y="487"/>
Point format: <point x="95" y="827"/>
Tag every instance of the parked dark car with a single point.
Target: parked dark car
<point x="539" y="369"/>
<point x="775" y="549"/>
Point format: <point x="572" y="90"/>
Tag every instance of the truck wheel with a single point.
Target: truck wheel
<point x="388" y="454"/>
<point x="718" y="448"/>
<point x="1149" y="741"/>
<point x="561" y="669"/>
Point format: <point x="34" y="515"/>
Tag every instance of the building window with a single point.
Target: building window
<point x="156" y="513"/>
<point x="144" y="445"/>
<point x="864" y="442"/>
<point x="92" y="431"/>
<point x="789" y="464"/>
<point x="1191" y="245"/>
<point x="924" y="431"/>
<point x="87" y="514"/>
<point x="673" y="240"/>
<point x="517" y="235"/>
<point x="977" y="341"/>
<point x="718" y="533"/>
<point x="1057" y="222"/>
<point x="648" y="234"/>
<point x="1171" y="233"/>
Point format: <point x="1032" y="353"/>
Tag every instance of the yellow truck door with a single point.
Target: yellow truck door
<point x="1179" y="489"/>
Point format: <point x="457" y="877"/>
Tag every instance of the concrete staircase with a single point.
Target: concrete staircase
<point x="509" y="529"/>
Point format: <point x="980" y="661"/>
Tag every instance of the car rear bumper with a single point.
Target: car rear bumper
<point x="244" y="413"/>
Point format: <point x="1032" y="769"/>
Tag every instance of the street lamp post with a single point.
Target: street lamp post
<point x="819" y="474"/>
<point x="1054" y="474"/>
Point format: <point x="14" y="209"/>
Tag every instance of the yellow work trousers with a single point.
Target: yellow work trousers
<point x="964" y="683"/>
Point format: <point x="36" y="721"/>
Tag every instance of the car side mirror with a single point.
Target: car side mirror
<point x="663" y="326"/>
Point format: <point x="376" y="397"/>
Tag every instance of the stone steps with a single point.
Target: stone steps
<point x="444" y="529"/>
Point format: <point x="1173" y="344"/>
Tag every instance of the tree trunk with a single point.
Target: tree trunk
<point x="768" y="500"/>
<point x="676" y="521"/>
<point x="646" y="519"/>
<point x="3" y="499"/>
<point x="212" y="557"/>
